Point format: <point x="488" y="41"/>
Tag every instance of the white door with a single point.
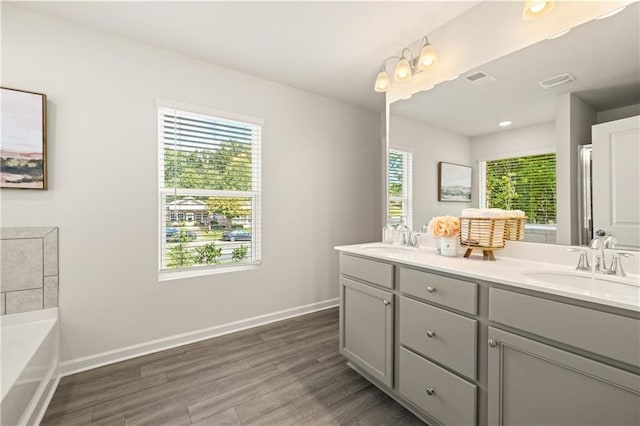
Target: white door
<point x="616" y="180"/>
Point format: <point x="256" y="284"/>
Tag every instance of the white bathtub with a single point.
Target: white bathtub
<point x="29" y="365"/>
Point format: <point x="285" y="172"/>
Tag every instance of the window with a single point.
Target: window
<point x="526" y="183"/>
<point x="209" y="192"/>
<point x="400" y="187"/>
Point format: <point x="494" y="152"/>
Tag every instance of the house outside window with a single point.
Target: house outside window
<point x="209" y="191"/>
<point x="400" y="179"/>
<point x="527" y="183"/>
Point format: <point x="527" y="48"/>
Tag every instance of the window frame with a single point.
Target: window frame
<point x="407" y="185"/>
<point x="165" y="274"/>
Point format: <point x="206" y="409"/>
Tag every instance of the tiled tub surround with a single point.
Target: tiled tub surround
<point x="29" y="269"/>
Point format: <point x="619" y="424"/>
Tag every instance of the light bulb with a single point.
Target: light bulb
<point x="428" y="57"/>
<point x="382" y="82"/>
<point x="402" y="71"/>
<point x="535" y="9"/>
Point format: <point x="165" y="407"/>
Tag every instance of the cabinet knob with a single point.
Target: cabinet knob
<point x="493" y="343"/>
<point x="430" y="289"/>
<point x="431" y="391"/>
<point x="386" y="302"/>
<point x="430" y="333"/>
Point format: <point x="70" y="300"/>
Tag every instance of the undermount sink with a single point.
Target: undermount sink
<point x="388" y="248"/>
<point x="588" y="283"/>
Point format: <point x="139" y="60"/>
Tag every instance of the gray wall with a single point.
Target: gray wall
<point x="29" y="269"/>
<point x="429" y="146"/>
<point x="321" y="180"/>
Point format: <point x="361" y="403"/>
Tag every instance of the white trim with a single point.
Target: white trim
<point x="199" y="109"/>
<point x="109" y="357"/>
<point x="516" y="155"/>
<point x="200" y="271"/>
<point x="406" y="148"/>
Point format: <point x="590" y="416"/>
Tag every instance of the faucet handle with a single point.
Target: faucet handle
<point x="583" y="262"/>
<point x="616" y="264"/>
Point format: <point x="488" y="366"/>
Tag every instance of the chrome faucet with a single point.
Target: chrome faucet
<point x="597" y="256"/>
<point x="583" y="262"/>
<point x="616" y="264"/>
<point x="599" y="264"/>
<point x="409" y="239"/>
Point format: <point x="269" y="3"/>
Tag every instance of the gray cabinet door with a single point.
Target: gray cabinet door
<point x="536" y="384"/>
<point x="366" y="328"/>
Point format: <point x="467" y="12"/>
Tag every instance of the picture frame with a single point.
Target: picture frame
<point x="23" y="139"/>
<point x="454" y="182"/>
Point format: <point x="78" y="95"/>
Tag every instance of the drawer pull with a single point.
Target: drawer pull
<point x="430" y="289"/>
<point x="431" y="334"/>
<point x="431" y="391"/>
<point x="386" y="302"/>
<point x="493" y="343"/>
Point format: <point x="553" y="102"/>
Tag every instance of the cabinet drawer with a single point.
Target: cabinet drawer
<point x="452" y="400"/>
<point x="602" y="333"/>
<point x="440" y="335"/>
<point x="461" y="295"/>
<point x="367" y="270"/>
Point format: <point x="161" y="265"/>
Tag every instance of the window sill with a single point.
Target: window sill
<point x="168" y="275"/>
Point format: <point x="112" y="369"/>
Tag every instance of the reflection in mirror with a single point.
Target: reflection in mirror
<point x="524" y="123"/>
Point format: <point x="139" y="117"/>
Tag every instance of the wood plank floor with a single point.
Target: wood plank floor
<point x="289" y="372"/>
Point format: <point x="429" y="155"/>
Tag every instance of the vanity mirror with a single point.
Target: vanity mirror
<point x="552" y="129"/>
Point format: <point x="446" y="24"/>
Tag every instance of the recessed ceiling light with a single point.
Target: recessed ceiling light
<point x="505" y="123"/>
<point x="613" y="12"/>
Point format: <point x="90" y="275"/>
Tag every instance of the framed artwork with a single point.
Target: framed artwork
<point x="23" y="139"/>
<point x="454" y="182"/>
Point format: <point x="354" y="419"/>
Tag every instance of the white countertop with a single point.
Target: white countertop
<point x="618" y="292"/>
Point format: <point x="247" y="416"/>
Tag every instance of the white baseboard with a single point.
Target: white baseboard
<point x="98" y="360"/>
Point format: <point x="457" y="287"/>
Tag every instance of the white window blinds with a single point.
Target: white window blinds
<point x="209" y="189"/>
<point x="400" y="176"/>
<point x="526" y="183"/>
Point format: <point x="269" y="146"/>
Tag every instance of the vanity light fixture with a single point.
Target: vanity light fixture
<point x="407" y="65"/>
<point x="403" y="71"/>
<point x="428" y="57"/>
<point x="505" y="123"/>
<point x="535" y="9"/>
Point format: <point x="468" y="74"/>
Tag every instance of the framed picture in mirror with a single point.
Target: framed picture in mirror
<point x="454" y="182"/>
<point x="23" y="139"/>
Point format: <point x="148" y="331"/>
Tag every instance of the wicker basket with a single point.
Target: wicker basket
<point x="514" y="229"/>
<point x="482" y="232"/>
<point x="486" y="234"/>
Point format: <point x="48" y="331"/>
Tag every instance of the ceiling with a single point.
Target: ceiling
<point x="334" y="49"/>
<point x="603" y="56"/>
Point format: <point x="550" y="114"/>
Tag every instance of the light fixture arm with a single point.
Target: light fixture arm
<point x="405" y="57"/>
<point x="384" y="63"/>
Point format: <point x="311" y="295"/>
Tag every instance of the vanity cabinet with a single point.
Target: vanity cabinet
<point x="366" y="328"/>
<point x="457" y="351"/>
<point x="533" y="383"/>
<point x="536" y="383"/>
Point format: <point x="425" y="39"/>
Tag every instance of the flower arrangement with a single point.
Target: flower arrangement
<point x="444" y="226"/>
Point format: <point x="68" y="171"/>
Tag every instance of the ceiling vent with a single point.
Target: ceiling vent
<point x="556" y="81"/>
<point x="479" y="77"/>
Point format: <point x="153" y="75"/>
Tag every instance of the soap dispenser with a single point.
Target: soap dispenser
<point x="402" y="233"/>
<point x="387" y="233"/>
